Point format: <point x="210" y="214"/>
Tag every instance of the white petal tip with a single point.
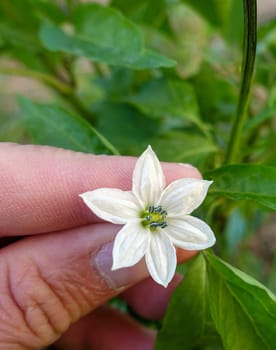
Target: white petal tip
<point x="162" y="283"/>
<point x="113" y="268"/>
<point x="149" y="150"/>
<point x="84" y="195"/>
<point x="212" y="242"/>
<point x="208" y="183"/>
<point x="208" y="244"/>
<point x="116" y="266"/>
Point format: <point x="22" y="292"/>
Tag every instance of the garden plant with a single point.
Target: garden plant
<point x="193" y="79"/>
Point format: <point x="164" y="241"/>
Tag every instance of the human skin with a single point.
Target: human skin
<point x="55" y="255"/>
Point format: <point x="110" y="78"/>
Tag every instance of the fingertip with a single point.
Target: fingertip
<point x="53" y="179"/>
<point x="112" y="330"/>
<point x="185" y="255"/>
<point x="191" y="170"/>
<point x="149" y="299"/>
<point x="176" y="171"/>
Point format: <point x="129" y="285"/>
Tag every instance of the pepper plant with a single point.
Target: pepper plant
<point x="190" y="79"/>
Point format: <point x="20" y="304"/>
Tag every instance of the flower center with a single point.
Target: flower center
<point x="154" y="217"/>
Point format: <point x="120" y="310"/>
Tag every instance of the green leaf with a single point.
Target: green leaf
<point x="151" y="59"/>
<point x="103" y="35"/>
<point x="187" y="322"/>
<point x="54" y="126"/>
<point x="108" y="29"/>
<point x="128" y="129"/>
<point x="243" y="310"/>
<point x="235" y="231"/>
<point x="259" y="119"/>
<point x="216" y="95"/>
<point x="172" y="98"/>
<point x="245" y="181"/>
<point x="150" y="12"/>
<point x="177" y="146"/>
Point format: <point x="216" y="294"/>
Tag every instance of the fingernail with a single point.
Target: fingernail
<point x="116" y="279"/>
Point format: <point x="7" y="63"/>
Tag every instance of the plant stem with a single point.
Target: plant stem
<point x="46" y="78"/>
<point x="105" y="141"/>
<point x="249" y="53"/>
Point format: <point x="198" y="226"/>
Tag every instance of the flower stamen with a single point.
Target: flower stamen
<point x="154" y="217"/>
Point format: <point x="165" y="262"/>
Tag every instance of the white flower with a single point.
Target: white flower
<point x="156" y="218"/>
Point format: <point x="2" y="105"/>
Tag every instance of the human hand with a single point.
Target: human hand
<point x="60" y="269"/>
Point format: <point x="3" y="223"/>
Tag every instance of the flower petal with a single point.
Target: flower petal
<point x="190" y="233"/>
<point x="130" y="245"/>
<point x="161" y="258"/>
<point x="183" y="196"/>
<point x="148" y="178"/>
<point x="112" y="205"/>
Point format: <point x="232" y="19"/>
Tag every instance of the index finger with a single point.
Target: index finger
<point x="40" y="186"/>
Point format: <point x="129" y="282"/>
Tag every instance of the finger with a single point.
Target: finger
<point x="150" y="300"/>
<point x="50" y="281"/>
<point x="107" y="329"/>
<point x="40" y="186"/>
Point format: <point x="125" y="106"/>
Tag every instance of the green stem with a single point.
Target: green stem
<point x="105" y="141"/>
<point x="46" y="78"/>
<point x="249" y="53"/>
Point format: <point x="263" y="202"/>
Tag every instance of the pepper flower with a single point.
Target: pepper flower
<point x="156" y="218"/>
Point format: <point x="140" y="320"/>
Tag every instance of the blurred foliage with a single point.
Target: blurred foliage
<point x="113" y="79"/>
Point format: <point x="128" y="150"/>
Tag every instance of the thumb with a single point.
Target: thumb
<point x="50" y="281"/>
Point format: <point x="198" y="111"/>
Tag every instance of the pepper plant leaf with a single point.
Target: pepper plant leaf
<point x="244" y="311"/>
<point x="54" y="126"/>
<point x="245" y="181"/>
<point x="187" y="323"/>
<point x="103" y="34"/>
